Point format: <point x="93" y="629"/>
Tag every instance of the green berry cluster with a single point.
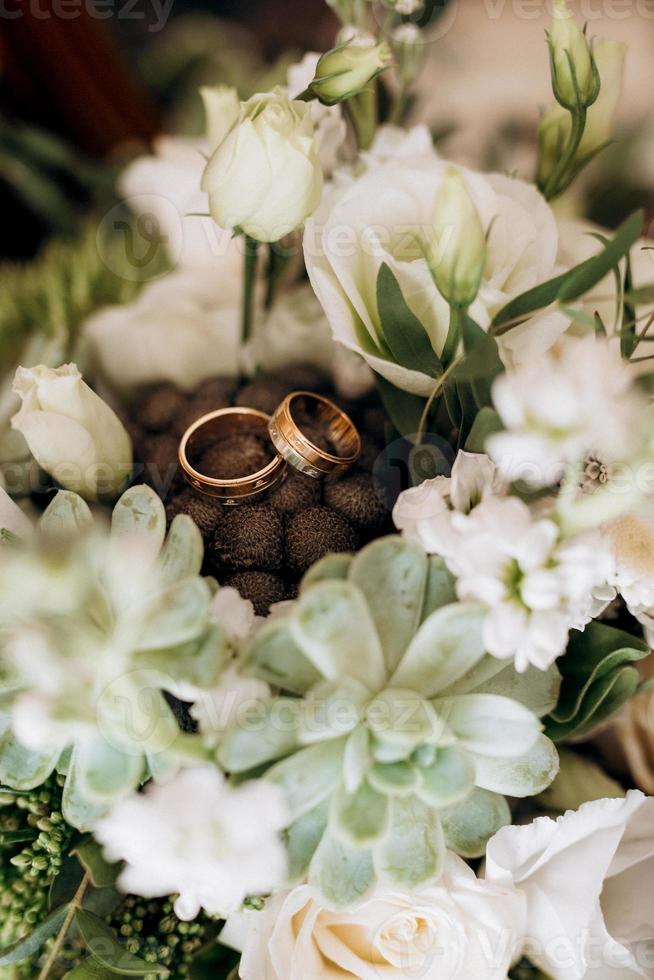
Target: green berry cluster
<point x="151" y="930"/>
<point x="28" y="867"/>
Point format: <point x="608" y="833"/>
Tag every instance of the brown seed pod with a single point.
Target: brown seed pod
<point x="354" y="498"/>
<point x="314" y="533"/>
<point x="261" y="588"/>
<point x="249" y="536"/>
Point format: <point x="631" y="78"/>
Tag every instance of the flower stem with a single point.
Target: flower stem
<point x="563" y="173"/>
<point x="249" y="279"/>
<point x="72" y="909"/>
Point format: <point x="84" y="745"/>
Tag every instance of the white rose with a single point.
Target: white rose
<point x="460" y="929"/>
<point x="383" y="216"/>
<point x="72" y="433"/>
<point x="265" y="177"/>
<point x="587" y="880"/>
<point x="184" y="329"/>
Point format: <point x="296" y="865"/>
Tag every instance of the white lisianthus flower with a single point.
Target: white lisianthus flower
<point x="331" y="130"/>
<point x="265" y="177"/>
<point x="535" y="587"/>
<point x="586" y="878"/>
<point x="165" y="186"/>
<point x="71" y="432"/>
<point x="384" y="216"/>
<point x="296" y="331"/>
<point x="183" y="329"/>
<point x="212" y="853"/>
<point x="424" y="513"/>
<point x="456" y="930"/>
<point x="576" y="400"/>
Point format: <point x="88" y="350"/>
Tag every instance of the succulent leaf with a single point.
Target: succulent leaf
<point x="525" y="775"/>
<point x="274" y="656"/>
<point x="469" y="825"/>
<point x="362" y="818"/>
<point x="490" y="723"/>
<point x="343" y="875"/>
<point x="414" y="852"/>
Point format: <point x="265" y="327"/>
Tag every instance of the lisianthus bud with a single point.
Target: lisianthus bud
<point x="456" y="251"/>
<point x="344" y="71"/>
<point x="222" y="108"/>
<point x="265" y="178"/>
<point x="71" y="432"/>
<point x="574" y="74"/>
<point x="555" y="125"/>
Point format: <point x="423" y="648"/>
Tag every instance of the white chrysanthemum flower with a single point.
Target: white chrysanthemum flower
<point x="424" y="513"/>
<point x="536" y="588"/>
<point x="558" y="408"/>
<point x="197" y="837"/>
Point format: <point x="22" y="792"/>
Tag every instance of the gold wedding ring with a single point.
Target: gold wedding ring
<point x="285" y="428"/>
<point x="221" y="423"/>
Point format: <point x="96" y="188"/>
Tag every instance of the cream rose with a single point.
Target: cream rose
<point x="71" y="432"/>
<point x="183" y="328"/>
<point x="265" y="177"/>
<point x="456" y="930"/>
<point x="587" y="880"/>
<point x="384" y="216"/>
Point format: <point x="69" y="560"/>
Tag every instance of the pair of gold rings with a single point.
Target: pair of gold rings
<point x="284" y="429"/>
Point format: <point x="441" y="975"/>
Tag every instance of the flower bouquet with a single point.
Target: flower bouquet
<point x="327" y="549"/>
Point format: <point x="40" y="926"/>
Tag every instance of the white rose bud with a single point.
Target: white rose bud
<point x="406" y="8"/>
<point x="346" y="70"/>
<point x="574" y="75"/>
<point x="456" y="251"/>
<point x="410" y="51"/>
<point x="71" y="432"/>
<point x="265" y="178"/>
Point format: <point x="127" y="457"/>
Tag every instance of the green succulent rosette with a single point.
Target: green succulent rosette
<point x="96" y="624"/>
<point x="396" y="736"/>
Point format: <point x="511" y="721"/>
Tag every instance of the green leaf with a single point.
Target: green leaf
<point x="65" y="516"/>
<point x="405" y="335"/>
<point x="480" y="365"/>
<point x="90" y="969"/>
<point x="332" y="624"/>
<point x="485" y="425"/>
<point x="302" y="840"/>
<point x="404" y="409"/>
<point x="392" y="572"/>
<point x="360" y="819"/>
<point x="598" y="678"/>
<point x="490" y="723"/>
<point x="330" y="567"/>
<point x="101" y="872"/>
<point x="139" y="516"/>
<point x="271" y="731"/>
<point x="29" y="945"/>
<point x="182" y="552"/>
<point x="104" y="947"/>
<point x="414" y="852"/>
<point x="20" y="767"/>
<point x="574" y="283"/>
<point x="309" y="776"/>
<point x="469" y="825"/>
<point x="448" y="779"/>
<point x="10" y="837"/>
<point x="394" y="778"/>
<point x="342" y="875"/>
<point x="525" y="775"/>
<point x="274" y="656"/>
<point x="441" y="587"/>
<point x="582" y="279"/>
<point x="447" y="645"/>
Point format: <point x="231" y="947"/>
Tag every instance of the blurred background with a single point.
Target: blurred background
<point x="86" y="84"/>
